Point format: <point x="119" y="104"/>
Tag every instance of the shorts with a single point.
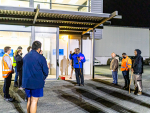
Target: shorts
<point x="34" y="92"/>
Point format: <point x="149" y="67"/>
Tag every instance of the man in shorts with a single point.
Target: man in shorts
<point x="35" y="71"/>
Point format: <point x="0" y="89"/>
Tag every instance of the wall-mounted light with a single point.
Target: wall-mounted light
<point x="65" y="38"/>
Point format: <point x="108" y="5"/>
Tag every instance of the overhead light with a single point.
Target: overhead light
<point x="73" y="1"/>
<point x="65" y="38"/>
<point x="59" y="1"/>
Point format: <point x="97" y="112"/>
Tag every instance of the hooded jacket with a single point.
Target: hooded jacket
<point x="138" y="63"/>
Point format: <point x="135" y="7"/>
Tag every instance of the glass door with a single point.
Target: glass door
<point x="49" y="51"/>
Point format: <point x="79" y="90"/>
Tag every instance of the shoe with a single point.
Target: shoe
<point x="135" y="90"/>
<point x="77" y="84"/>
<point x="16" y="84"/>
<point x="139" y="93"/>
<point x="20" y="88"/>
<point x="123" y="87"/>
<point x="25" y="99"/>
<point x="9" y="99"/>
<point x="70" y="78"/>
<point x="116" y="84"/>
<point x="82" y="84"/>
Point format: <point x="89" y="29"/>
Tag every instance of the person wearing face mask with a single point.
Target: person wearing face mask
<point x="137" y="69"/>
<point x="19" y="62"/>
<point x="125" y="68"/>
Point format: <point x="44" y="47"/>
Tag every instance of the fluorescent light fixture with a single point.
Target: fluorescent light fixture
<point x="59" y="1"/>
<point x="73" y="1"/>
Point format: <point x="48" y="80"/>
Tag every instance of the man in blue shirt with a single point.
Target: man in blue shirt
<point x="79" y="59"/>
<point x="35" y="71"/>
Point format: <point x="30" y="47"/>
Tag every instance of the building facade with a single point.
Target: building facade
<point x="14" y="36"/>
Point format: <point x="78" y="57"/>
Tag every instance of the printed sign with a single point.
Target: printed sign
<point x="2" y="53"/>
<point x="61" y="51"/>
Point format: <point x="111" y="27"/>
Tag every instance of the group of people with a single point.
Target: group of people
<point x="77" y="60"/>
<point x="32" y="70"/>
<point x="136" y="67"/>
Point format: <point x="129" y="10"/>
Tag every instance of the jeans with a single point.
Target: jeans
<point x="7" y="83"/>
<point x="79" y="76"/>
<point x="115" y="77"/>
<point x="16" y="76"/>
<point x="20" y="78"/>
<point x="126" y="78"/>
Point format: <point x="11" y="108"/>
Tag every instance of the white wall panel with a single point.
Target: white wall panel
<point x="122" y="39"/>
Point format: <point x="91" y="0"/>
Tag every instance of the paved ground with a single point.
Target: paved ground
<point x="97" y="96"/>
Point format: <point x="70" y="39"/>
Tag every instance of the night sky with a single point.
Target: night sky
<point x="135" y="13"/>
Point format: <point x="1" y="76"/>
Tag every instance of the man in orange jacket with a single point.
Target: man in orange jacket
<point x="7" y="70"/>
<point x="125" y="67"/>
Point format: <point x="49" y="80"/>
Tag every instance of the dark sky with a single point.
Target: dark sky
<point x="134" y="13"/>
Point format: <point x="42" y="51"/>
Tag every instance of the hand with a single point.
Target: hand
<point x="70" y="52"/>
<point x="49" y="65"/>
<point x="79" y="59"/>
<point x="132" y="70"/>
<point x="114" y="70"/>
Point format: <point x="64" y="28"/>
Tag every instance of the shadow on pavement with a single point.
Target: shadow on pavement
<point x="15" y="103"/>
<point x="119" y="95"/>
<point x="78" y="101"/>
<point x="120" y="87"/>
<point x="99" y="99"/>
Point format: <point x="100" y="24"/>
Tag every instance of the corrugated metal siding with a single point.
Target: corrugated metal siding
<point x="97" y="7"/>
<point x="122" y="39"/>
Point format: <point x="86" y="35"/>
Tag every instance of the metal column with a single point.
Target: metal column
<point x="32" y="35"/>
<point x="93" y="52"/>
<point x="81" y="43"/>
<point x="57" y="53"/>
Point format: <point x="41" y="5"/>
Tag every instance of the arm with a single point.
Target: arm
<point x="70" y="57"/>
<point x="83" y="59"/>
<point x="129" y="63"/>
<point x="8" y="61"/>
<point x="44" y="67"/>
<point x="115" y="64"/>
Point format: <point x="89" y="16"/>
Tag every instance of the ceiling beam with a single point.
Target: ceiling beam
<point x="103" y="21"/>
<point x="36" y="14"/>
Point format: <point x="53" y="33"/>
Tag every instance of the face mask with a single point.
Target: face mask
<point x="124" y="57"/>
<point x="21" y="54"/>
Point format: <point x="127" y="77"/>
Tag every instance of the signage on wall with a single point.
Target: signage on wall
<point x="61" y="51"/>
<point x="2" y="53"/>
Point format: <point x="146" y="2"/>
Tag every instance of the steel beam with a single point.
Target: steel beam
<point x="93" y="52"/>
<point x="103" y="21"/>
<point x="36" y="14"/>
<point x="57" y="53"/>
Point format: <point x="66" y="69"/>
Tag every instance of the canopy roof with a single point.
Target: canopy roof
<point x="68" y="21"/>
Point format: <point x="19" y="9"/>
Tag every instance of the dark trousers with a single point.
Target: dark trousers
<point x="126" y="78"/>
<point x="79" y="76"/>
<point x="7" y="83"/>
<point x="20" y="78"/>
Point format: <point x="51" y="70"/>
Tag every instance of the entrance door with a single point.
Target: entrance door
<point x="49" y="51"/>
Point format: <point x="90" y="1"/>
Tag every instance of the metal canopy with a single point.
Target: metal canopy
<point x="68" y="21"/>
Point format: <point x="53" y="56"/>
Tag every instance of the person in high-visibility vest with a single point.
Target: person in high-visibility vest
<point x="7" y="70"/>
<point x="125" y="67"/>
<point x="15" y="66"/>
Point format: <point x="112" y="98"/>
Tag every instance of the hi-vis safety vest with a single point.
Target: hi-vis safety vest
<point x="126" y="64"/>
<point x="5" y="69"/>
<point x="14" y="61"/>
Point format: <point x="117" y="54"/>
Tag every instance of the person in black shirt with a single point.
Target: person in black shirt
<point x="71" y="59"/>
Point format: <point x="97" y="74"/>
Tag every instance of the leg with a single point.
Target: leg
<point x="128" y="79"/>
<point x="77" y="76"/>
<point x="113" y="77"/>
<point x="33" y="106"/>
<point x="71" y="72"/>
<point x="139" y="82"/>
<point x="82" y="77"/>
<point x="16" y="76"/>
<point x="8" y="83"/>
<point x="20" y="78"/>
<point x="28" y="105"/>
<point x="116" y="77"/>
<point x="4" y="88"/>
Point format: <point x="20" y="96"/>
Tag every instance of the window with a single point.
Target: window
<point x="17" y="3"/>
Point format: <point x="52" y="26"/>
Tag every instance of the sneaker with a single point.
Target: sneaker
<point x="70" y="77"/>
<point x="20" y="88"/>
<point x="9" y="99"/>
<point x="82" y="84"/>
<point x="77" y="84"/>
<point x="139" y="93"/>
